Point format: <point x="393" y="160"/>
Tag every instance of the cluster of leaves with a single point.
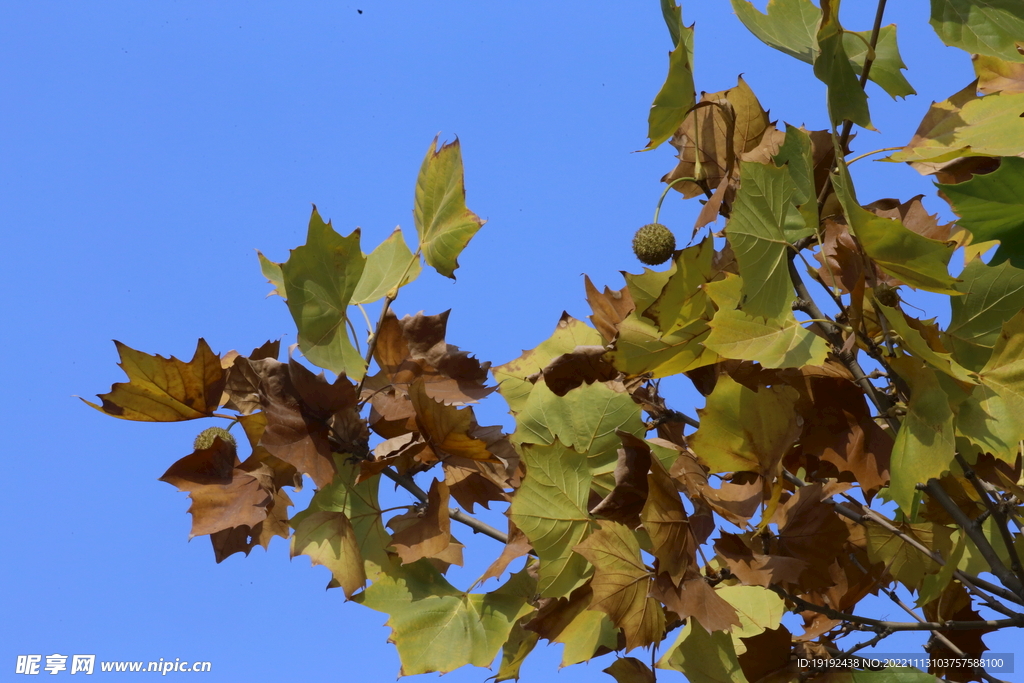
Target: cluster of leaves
<point x="696" y="543"/>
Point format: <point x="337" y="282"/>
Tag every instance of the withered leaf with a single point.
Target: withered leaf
<point x="584" y="365"/>
<point x="165" y="389"/>
<point x="766" y="653"/>
<point x="755" y="568"/>
<point x="693" y="597"/>
<point x="666" y="522"/>
<point x="425" y="533"/>
<point x="475" y="482"/>
<point x="610" y="308"/>
<point x="450" y="430"/>
<point x="913" y="216"/>
<point x="517" y="546"/>
<point x="624" y="502"/>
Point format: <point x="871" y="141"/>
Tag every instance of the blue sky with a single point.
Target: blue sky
<point x="148" y="148"/>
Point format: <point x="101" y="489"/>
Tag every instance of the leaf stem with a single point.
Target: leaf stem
<point x="867" y="154"/>
<point x="657" y="209"/>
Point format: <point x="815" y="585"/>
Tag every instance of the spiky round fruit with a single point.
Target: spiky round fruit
<point x="207" y="437"/>
<point x="653" y="244"/>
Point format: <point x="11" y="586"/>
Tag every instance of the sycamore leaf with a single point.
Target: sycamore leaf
<point x="585" y="419"/>
<point x="903" y="561"/>
<point x="390" y="266"/>
<point x="223" y="495"/>
<point x="586" y="635"/>
<point x="551" y="508"/>
<point x="791" y="26"/>
<point x="641" y="348"/>
<point x="272" y="271"/>
<point x="758" y="609"/>
<point x="321" y="277"/>
<point x="987" y="27"/>
<point x="846" y="99"/>
<point x="731" y="124"/>
<point x="997" y="75"/>
<point x="703" y="657"/>
<point x="621" y="582"/>
<point x="887" y="67"/>
<point x="514" y="652"/>
<point x="966" y="125"/>
<point x="358" y="502"/>
<point x="443" y="222"/>
<point x="796" y="155"/>
<point x="448" y="429"/>
<point x="776" y="343"/>
<point x="682" y="301"/>
<point x="665" y="520"/>
<point x="916" y="260"/>
<point x="427" y="534"/>
<point x="757" y="234"/>
<point x="743" y="430"/>
<point x="165" y="389"/>
<point x="630" y="670"/>
<point x="991" y="206"/>
<point x="925" y="444"/>
<point x="328" y="538"/>
<point x="676" y="97"/>
<point x="993" y="417"/>
<point x="694" y="598"/>
<point x="912" y="340"/>
<point x="513" y="377"/>
<point x="438" y="628"/>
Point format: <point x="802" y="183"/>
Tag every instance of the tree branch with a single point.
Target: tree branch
<point x="935" y="490"/>
<point x="997" y="514"/>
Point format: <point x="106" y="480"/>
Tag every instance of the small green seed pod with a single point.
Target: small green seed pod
<point x="654" y="244"/>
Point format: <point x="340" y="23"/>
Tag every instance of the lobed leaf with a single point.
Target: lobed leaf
<point x="165" y="389"/>
<point x="390" y="266"/>
<point x="991" y="206"/>
<point x="987" y="27"/>
<point x="443" y="222"/>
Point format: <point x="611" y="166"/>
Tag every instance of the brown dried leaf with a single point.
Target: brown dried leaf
<point x="518" y="546"/>
<point x="424" y="533"/>
<point x="474" y="482"/>
<point x="666" y="522"/>
<point x="695" y="598"/>
<point x="755" y="568"/>
<point x="914" y="216"/>
<point x="610" y="308"/>
<point x="766" y="653"/>
<point x="627" y="498"/>
<point x="585" y="365"/>
<point x="450" y="430"/>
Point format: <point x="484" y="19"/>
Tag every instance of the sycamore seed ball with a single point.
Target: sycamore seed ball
<point x="207" y="437"/>
<point x="654" y="244"/>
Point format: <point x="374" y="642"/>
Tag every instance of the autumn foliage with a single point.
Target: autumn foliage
<point x="804" y="484"/>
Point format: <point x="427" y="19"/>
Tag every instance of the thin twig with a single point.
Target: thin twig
<point x="996" y="513"/>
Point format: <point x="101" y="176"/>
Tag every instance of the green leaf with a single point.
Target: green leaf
<point x="682" y="300"/>
<point x="586" y="419"/>
<point x="551" y="509"/>
<point x="904" y="561"/>
<point x="438" y="628"/>
<point x="916" y="260"/>
<point x="993" y="417"/>
<point x="641" y="348"/>
<point x="511" y="377"/>
<point x="587" y="632"/>
<point x="796" y="155"/>
<point x="443" y="222"/>
<point x="272" y="271"/>
<point x="886" y="69"/>
<point x="789" y="26"/>
<point x="673" y="15"/>
<point x="777" y="343"/>
<point x="933" y="584"/>
<point x="704" y="657"/>
<point x="743" y="430"/>
<point x="966" y="125"/>
<point x="756" y="232"/>
<point x="917" y="345"/>
<point x="925" y="444"/>
<point x="620" y="584"/>
<point x="846" y="99"/>
<point x="991" y="206"/>
<point x="390" y="266"/>
<point x="328" y="538"/>
<point x="320" y="278"/>
<point x="986" y="27"/>
<point x="677" y="96"/>
<point x="758" y="609"/>
<point x="514" y="652"/>
<point x="991" y="296"/>
<point x="358" y="503"/>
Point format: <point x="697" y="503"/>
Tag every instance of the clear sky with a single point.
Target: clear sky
<point x="148" y="148"/>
